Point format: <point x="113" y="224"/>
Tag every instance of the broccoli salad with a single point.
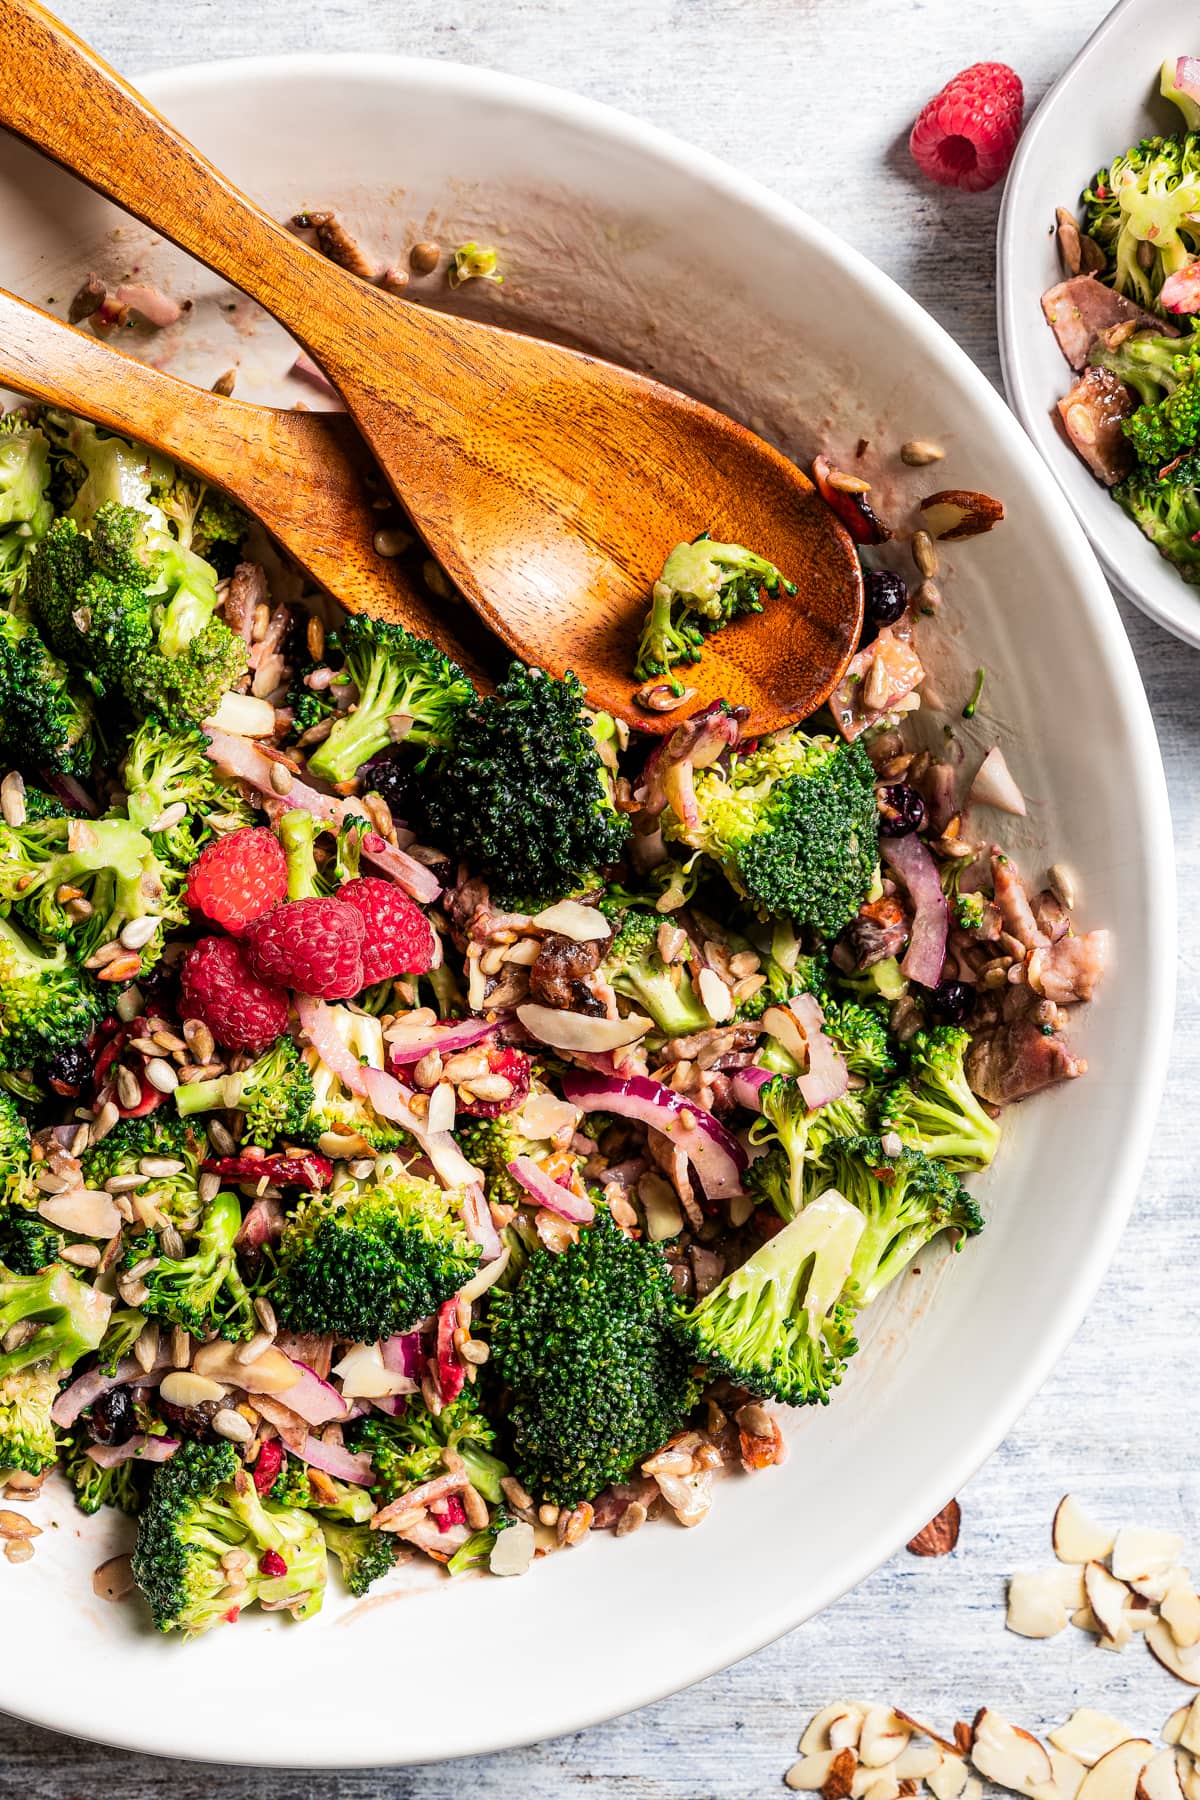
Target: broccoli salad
<point x="1125" y="318"/>
<point x="436" y="1125"/>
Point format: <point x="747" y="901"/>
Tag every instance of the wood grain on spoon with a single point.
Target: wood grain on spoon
<point x="304" y="474"/>
<point x="550" y="485"/>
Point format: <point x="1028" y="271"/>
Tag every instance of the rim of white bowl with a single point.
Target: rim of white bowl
<point x="976" y="1439"/>
<point x="1013" y="320"/>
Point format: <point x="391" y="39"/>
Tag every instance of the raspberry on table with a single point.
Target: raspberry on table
<point x="218" y="987"/>
<point x="965" y="136"/>
<point x="397" y="937"/>
<point x="314" y="946"/>
<point x="236" y="878"/>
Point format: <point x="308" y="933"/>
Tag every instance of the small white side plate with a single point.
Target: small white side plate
<point x="1107" y="100"/>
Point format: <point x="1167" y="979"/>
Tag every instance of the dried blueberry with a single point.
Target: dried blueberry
<point x="71" y="1071"/>
<point x="113" y="1418"/>
<point x="951" y="1002"/>
<point x="885" y="596"/>
<point x="393" y="775"/>
<point x="901" y="810"/>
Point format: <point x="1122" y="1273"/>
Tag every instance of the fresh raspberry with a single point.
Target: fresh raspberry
<point x="515" y="1066"/>
<point x="236" y="878"/>
<point x="219" y="988"/>
<point x="397" y="937"/>
<point x="966" y="135"/>
<point x="314" y="946"/>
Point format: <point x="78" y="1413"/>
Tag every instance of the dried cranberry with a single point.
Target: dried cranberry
<point x="885" y="595"/>
<point x="901" y="811"/>
<point x="950" y="1002"/>
<point x="268" y="1465"/>
<point x="271" y="1564"/>
<point x="113" y="1418"/>
<point x="312" y="1170"/>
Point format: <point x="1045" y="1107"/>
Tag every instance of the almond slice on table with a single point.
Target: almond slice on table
<point x="1189" y="1729"/>
<point x="1086" y="1620"/>
<point x="920" y="1729"/>
<point x="1189" y="1775"/>
<point x="948" y="1780"/>
<point x="1036" y="1607"/>
<point x="1076" y="1538"/>
<point x="844" y="1731"/>
<point x="1184" y="1663"/>
<point x="881" y="1784"/>
<point x="1138" y="1553"/>
<point x="1159" y="1780"/>
<point x="1180" y="1607"/>
<point x="1172" y="1731"/>
<point x="1115" y="1776"/>
<point x="838" y="1783"/>
<point x="1109" y="1599"/>
<point x="809" y="1775"/>
<point x="940" y="1536"/>
<point x="1006" y="1754"/>
<point x="1089" y="1735"/>
<point x="916" y="1761"/>
<point x="973" y="1789"/>
<point x="882" y="1738"/>
<point x="816" y="1733"/>
<point x="1069" y="1773"/>
<point x="959" y="513"/>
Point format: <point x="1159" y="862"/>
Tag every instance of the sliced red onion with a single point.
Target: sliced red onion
<point x="549" y="1193"/>
<point x="305" y="369"/>
<point x="994" y="785"/>
<point x="910" y="859"/>
<point x="827" y="1076"/>
<point x="487" y="1277"/>
<point x="71" y="793"/>
<point x="403" y="1355"/>
<point x="314" y="1400"/>
<point x="139" y="1448"/>
<point x="391" y="1404"/>
<point x="443" y="1038"/>
<point x="747" y="1085"/>
<point x="320" y="1027"/>
<point x="237" y="757"/>
<point x="157" y="308"/>
<point x="336" y="1460"/>
<point x="89" y="1387"/>
<point x="713" y="1151"/>
<point x="1187" y="76"/>
<point x="481" y="1227"/>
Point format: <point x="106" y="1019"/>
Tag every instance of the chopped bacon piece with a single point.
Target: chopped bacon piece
<point x="1070" y="969"/>
<point x="877" y="678"/>
<point x="1080" y="310"/>
<point x="1009" y="1062"/>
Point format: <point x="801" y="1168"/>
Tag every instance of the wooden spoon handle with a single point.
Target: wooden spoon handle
<point x="59" y="95"/>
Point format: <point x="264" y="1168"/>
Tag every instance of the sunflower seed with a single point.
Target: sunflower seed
<point x="208" y="1187"/>
<point x="199" y="1039"/>
<point x="138" y="932"/>
<point x="12" y="799"/>
<point x="924" y="554"/>
<point x="231" y="1425"/>
<point x="919" y="451"/>
<point x="161" y="1075"/>
<point x="281" y="778"/>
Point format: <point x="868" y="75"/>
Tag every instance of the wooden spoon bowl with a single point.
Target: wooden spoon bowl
<point x="549" y="484"/>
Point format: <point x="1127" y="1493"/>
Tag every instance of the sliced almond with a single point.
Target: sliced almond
<point x="882" y="1738"/>
<point x="85" y="1211"/>
<point x="1076" y="1538"/>
<point x="1068" y="1773"/>
<point x="1189" y="1729"/>
<point x="1139" y="1553"/>
<point x="916" y="1761"/>
<point x="940" y="1536"/>
<point x="1159" y="1780"/>
<point x="1180" y="1607"/>
<point x="1109" y="1599"/>
<point x="270" y="1373"/>
<point x="1090" y="1735"/>
<point x="1189" y="1775"/>
<point x="1115" y="1776"/>
<point x="973" y="1789"/>
<point x="1006" y="1754"/>
<point x="844" y="1732"/>
<point x="948" y="1780"/>
<point x="959" y="513"/>
<point x="920" y="1729"/>
<point x="809" y="1775"/>
<point x="1036" y="1608"/>
<point x="1172" y="1731"/>
<point x="1086" y="1620"/>
<point x="1184" y="1663"/>
<point x="883" y="1787"/>
<point x="839" y="1781"/>
<point x="1154" y="1588"/>
<point x="816" y="1732"/>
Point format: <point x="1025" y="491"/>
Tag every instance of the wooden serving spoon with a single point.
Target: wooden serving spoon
<point x="305" y="475"/>
<point x="549" y="484"/>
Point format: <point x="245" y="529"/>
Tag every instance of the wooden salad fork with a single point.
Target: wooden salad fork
<point x="549" y="484"/>
<point x="305" y="475"/>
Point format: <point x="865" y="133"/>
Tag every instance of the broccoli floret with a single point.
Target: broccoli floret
<point x="905" y="1200"/>
<point x="46" y="1005"/>
<point x="523" y="796"/>
<point x="588" y="1344"/>
<point x="634" y="968"/>
<point x="795" y="1140"/>
<point x="479" y="1546"/>
<point x="407" y="1448"/>
<point x="371" y="1263"/>
<point x="27" y="1242"/>
<point x="1152" y="364"/>
<point x="69" y="1318"/>
<point x="159" y="1134"/>
<point x="45" y="719"/>
<point x="96" y="1487"/>
<point x="1148" y="196"/>
<point x="794" y="825"/>
<point x="935" y="1110"/>
<point x="275" y="1093"/>
<point x="861" y="1034"/>
<point x="168" y="765"/>
<point x="1169" y="515"/>
<point x="491" y="1144"/>
<point x="776" y="1325"/>
<point x="704" y="586"/>
<point x="25" y="508"/>
<point x="395" y="673"/>
<point x="125" y="1326"/>
<point x="109" y="861"/>
<point x="201" y="517"/>
<point x="14" y="1139"/>
<point x="204" y="1291"/>
<point x="196" y="1512"/>
<point x="334" y="1108"/>
<point x="364" y="1556"/>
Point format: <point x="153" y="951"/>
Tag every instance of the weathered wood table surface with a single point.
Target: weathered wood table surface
<point x="814" y="97"/>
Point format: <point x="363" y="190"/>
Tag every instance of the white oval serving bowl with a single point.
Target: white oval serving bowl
<point x="658" y="255"/>
<point x="1105" y="101"/>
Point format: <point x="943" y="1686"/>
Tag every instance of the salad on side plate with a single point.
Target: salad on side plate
<point x="436" y="1125"/>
